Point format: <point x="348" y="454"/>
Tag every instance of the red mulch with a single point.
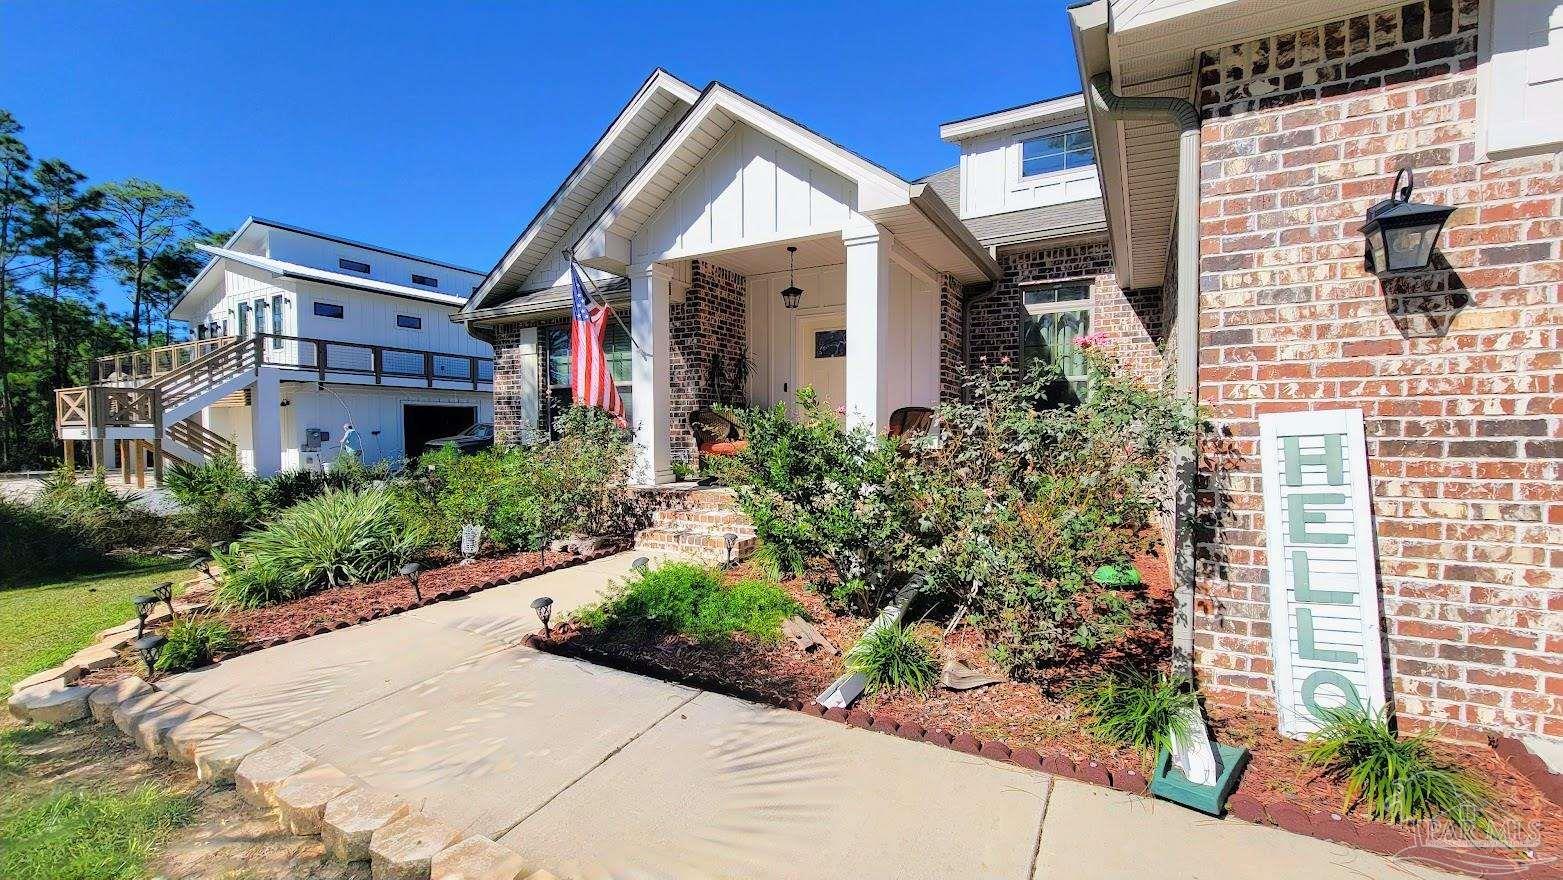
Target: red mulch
<point x="1033" y="714"/>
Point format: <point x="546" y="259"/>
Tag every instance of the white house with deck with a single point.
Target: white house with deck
<point x="296" y="334"/>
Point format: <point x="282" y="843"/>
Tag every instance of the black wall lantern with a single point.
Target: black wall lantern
<point x="1400" y="232"/>
<point x="793" y="294"/>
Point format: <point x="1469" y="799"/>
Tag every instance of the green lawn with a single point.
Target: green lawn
<point x="43" y="622"/>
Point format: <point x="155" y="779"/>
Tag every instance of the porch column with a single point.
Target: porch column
<point x="868" y="325"/>
<point x="650" y="358"/>
<point x="266" y="422"/>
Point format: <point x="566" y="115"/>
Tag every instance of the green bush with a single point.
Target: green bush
<point x="74" y="525"/>
<point x="691" y="600"/>
<point x="219" y="501"/>
<point x="894" y="658"/>
<point x="343" y="536"/>
<point x="193" y="642"/>
<point x="1138" y="710"/>
<point x="814" y="489"/>
<point x="1399" y="779"/>
<point x="525" y="497"/>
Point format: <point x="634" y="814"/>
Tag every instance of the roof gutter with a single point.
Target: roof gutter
<point x="1185" y="331"/>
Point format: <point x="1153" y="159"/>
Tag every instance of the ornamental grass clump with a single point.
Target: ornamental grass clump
<point x="692" y="600"/>
<point x="1136" y="709"/>
<point x="894" y="658"/>
<point x="193" y="642"/>
<point x="1399" y="779"/>
<point x="339" y="537"/>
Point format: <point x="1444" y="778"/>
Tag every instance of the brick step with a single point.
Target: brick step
<point x="731" y="521"/>
<point x="702" y="543"/>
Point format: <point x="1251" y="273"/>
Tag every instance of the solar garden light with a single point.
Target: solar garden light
<point x="411" y="572"/>
<point x="143" y="609"/>
<point x="640" y="564"/>
<point x="544" y="606"/>
<point x="164" y="592"/>
<point x="149" y="647"/>
<point x="731" y="540"/>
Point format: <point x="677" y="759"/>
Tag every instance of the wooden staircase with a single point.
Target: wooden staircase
<point x="695" y="524"/>
<point x="149" y="401"/>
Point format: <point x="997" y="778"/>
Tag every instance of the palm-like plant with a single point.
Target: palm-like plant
<point x="1136" y="709"/>
<point x="894" y="658"/>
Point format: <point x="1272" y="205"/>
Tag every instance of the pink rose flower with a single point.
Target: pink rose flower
<point x="1091" y="340"/>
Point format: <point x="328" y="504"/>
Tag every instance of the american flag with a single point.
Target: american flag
<point x="591" y="384"/>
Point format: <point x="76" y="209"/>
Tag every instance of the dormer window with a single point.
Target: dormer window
<point x="352" y="265"/>
<point x="425" y="280"/>
<point x="1056" y="152"/>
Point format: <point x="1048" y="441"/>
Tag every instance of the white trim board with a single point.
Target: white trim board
<point x="1324" y="605"/>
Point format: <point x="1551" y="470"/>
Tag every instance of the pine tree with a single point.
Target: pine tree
<point x="67" y="233"/>
<point x="148" y="223"/>
<point x="16" y="208"/>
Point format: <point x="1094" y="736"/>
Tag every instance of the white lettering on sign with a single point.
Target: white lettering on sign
<point x="1324" y="608"/>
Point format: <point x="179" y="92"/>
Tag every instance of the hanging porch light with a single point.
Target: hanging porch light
<point x="793" y="294"/>
<point x="1401" y="233"/>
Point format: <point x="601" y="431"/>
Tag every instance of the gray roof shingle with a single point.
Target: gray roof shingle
<point x="1048" y="221"/>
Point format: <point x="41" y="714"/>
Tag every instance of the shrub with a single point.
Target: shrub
<point x="193" y="642"/>
<point x="74" y="525"/>
<point x="1136" y="709"/>
<point x="219" y="501"/>
<point x="815" y="489"/>
<point x="691" y="600"/>
<point x="340" y="537"/>
<point x="1399" y="779"/>
<point x="527" y="496"/>
<point x="894" y="658"/>
<point x="1026" y="499"/>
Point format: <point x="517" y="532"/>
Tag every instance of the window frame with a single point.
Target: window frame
<point x="1066" y="132"/>
<point x="277" y="302"/>
<point x="341" y="310"/>
<point x="425" y="281"/>
<point x="417" y="322"/>
<point x="1036" y="313"/>
<point x="350" y="265"/>
<point x="243" y="316"/>
<point x="548" y="389"/>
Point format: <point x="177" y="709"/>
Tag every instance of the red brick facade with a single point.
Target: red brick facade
<point x="707" y="329"/>
<point x="1457" y="370"/>
<point x="1132" y="319"/>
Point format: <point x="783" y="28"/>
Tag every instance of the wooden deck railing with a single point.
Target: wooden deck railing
<point x="328" y="356"/>
<point x="135" y="366"/>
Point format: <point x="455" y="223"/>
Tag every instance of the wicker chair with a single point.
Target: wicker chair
<point x="910" y="421"/>
<point x="716" y="434"/>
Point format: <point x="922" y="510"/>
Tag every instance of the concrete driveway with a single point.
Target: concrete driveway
<point x="590" y="772"/>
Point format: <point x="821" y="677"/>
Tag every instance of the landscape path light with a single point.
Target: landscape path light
<point x="149" y="647"/>
<point x="412" y="571"/>
<point x="143" y="610"/>
<point x="544" y="606"/>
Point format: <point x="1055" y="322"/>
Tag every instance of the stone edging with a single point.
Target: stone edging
<point x="1374" y="837"/>
<point x="310" y="798"/>
<point x="1522" y="761"/>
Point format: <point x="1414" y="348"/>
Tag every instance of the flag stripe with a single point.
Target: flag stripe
<point x="591" y="381"/>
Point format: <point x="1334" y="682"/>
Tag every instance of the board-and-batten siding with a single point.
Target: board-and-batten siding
<point x="749" y="188"/>
<point x="305" y="250"/>
<point x="554" y="270"/>
<point x="991" y="182"/>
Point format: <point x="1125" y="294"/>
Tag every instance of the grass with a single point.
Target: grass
<point x="1398" y="779"/>
<point x="1136" y="709"/>
<point x="894" y="658"/>
<point x="77" y="834"/>
<point x="43" y="622"/>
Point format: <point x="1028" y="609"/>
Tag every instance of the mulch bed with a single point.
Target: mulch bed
<point x="341" y="607"/>
<point x="1032" y="723"/>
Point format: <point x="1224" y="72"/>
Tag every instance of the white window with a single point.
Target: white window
<point x="1521" y="79"/>
<point x="1056" y="152"/>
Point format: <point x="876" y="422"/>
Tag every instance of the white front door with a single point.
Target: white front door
<point x="819" y="346"/>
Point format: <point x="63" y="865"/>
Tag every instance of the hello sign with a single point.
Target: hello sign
<point x="1324" y="610"/>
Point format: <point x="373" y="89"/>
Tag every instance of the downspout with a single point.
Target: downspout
<point x="1185" y="336"/>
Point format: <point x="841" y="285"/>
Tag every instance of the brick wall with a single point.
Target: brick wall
<point x="952" y="318"/>
<point x="710" y="322"/>
<point x="1133" y="320"/>
<point x="1457" y="370"/>
<point x="511" y="423"/>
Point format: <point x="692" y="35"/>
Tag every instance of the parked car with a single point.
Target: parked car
<point x="478" y="437"/>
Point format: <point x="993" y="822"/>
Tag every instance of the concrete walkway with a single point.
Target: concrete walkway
<point x="590" y="772"/>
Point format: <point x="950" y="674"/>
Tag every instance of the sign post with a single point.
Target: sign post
<point x="1324" y="608"/>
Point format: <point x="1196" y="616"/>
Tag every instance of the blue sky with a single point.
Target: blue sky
<point x="439" y="128"/>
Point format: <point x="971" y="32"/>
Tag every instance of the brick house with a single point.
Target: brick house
<point x="1212" y="232"/>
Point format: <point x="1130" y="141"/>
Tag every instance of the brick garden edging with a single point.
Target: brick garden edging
<point x="1517" y="756"/>
<point x="1374" y="837"/>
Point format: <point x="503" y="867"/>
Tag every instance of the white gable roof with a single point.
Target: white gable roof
<point x="660" y="95"/>
<point x="912" y="212"/>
